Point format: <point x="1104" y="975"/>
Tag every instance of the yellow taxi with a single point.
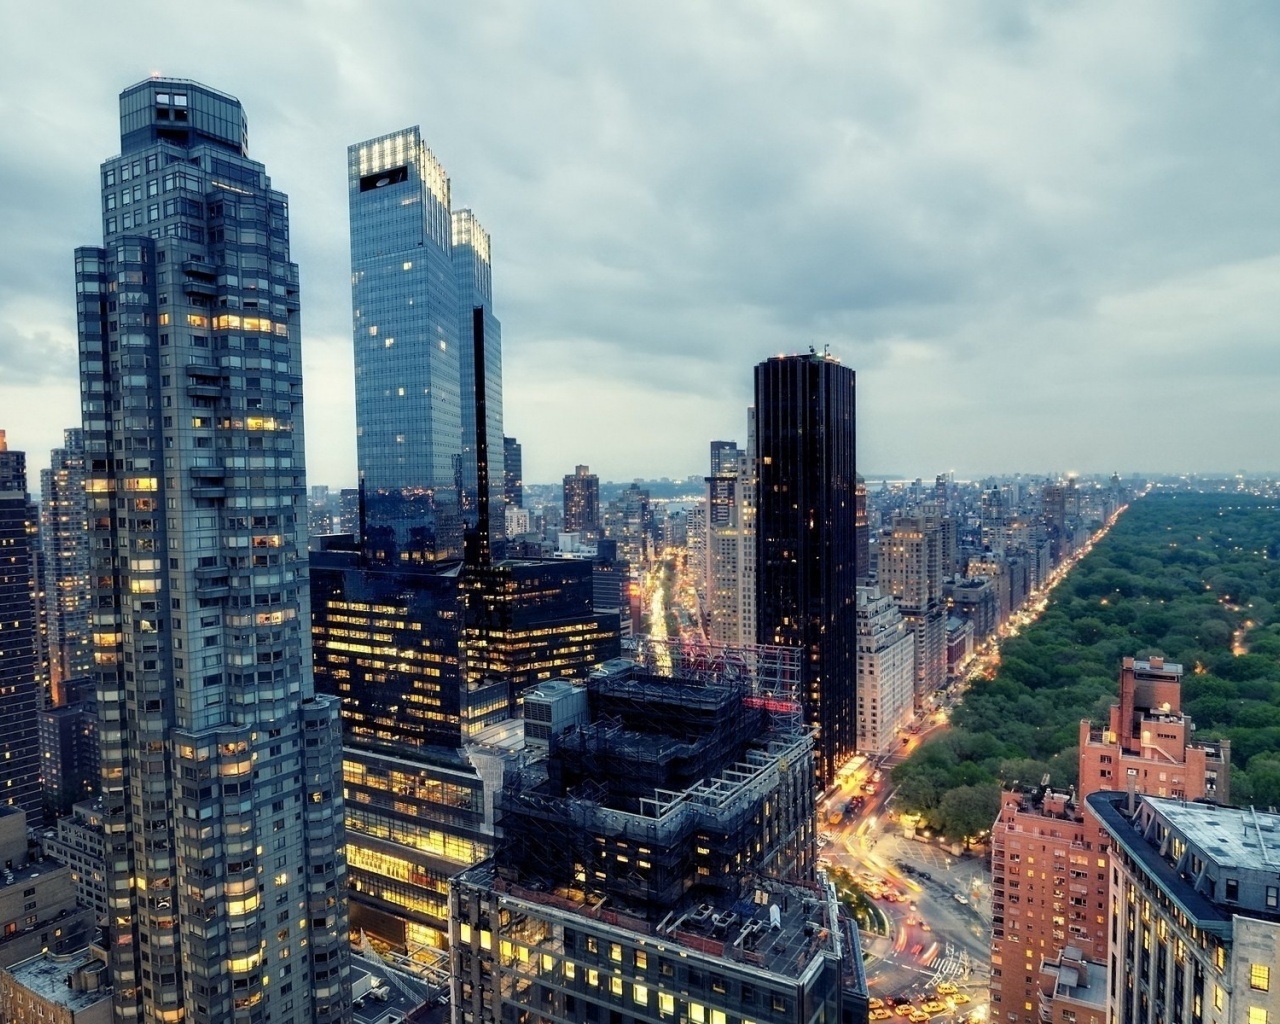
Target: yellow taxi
<point x="903" y="1009"/>
<point x="945" y="988"/>
<point x="880" y="1014"/>
<point x="918" y="1017"/>
<point x="960" y="999"/>
<point x="932" y="1007"/>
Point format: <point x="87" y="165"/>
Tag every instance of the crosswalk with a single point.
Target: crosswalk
<point x="953" y="965"/>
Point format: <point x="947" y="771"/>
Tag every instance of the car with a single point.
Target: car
<point x="945" y="988"/>
<point x="917" y="1017"/>
<point x="926" y="926"/>
<point x="960" y="999"/>
<point x="925" y="875"/>
<point x="902" y="1009"/>
<point x="961" y="898"/>
<point x="879" y="1014"/>
<point x="933" y="1006"/>
<point x="874" y="1004"/>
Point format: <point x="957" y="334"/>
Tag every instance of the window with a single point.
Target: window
<point x="1233" y="890"/>
<point x="1257" y="1015"/>
<point x="1260" y="977"/>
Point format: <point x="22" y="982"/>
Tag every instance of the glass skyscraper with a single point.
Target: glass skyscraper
<point x="222" y="803"/>
<point x="418" y="271"/>
<point x="806" y="586"/>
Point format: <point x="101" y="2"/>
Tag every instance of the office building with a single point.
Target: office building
<point x="725" y="458"/>
<point x="19" y="641"/>
<point x="512" y="472"/>
<point x="419" y="270"/>
<point x="886" y="672"/>
<point x="1194" y="929"/>
<point x="64" y="535"/>
<point x="1048" y="856"/>
<point x="38" y="908"/>
<point x="633" y="884"/>
<point x="582" y="502"/>
<point x="49" y="988"/>
<point x="424" y="659"/>
<point x="191" y="388"/>
<point x="480" y="363"/>
<point x="805" y="544"/>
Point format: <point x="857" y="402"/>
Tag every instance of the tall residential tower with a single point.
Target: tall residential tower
<point x="222" y="802"/>
<point x="805" y="573"/>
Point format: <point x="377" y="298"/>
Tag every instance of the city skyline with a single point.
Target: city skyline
<point x="983" y="211"/>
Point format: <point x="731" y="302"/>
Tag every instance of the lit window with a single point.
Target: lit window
<point x="1260" y="977"/>
<point x="1257" y="1015"/>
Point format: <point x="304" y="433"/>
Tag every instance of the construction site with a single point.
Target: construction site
<point x="671" y="788"/>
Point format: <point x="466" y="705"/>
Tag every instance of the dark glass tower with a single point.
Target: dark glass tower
<point x="805" y="573"/>
<point x="513" y="472"/>
<point x="19" y="660"/>
<point x="222" y="800"/>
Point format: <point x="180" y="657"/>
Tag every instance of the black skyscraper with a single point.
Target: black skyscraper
<point x="805" y="581"/>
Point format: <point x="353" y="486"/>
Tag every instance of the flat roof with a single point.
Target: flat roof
<point x="46" y="975"/>
<point x="736" y="931"/>
<point x="1234" y="838"/>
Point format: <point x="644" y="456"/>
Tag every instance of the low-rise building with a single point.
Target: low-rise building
<point x="38" y="909"/>
<point x="48" y="988"/>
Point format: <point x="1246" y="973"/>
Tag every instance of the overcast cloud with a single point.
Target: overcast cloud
<point x="1047" y="236"/>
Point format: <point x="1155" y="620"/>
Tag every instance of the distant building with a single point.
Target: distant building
<point x="582" y="502"/>
<point x="513" y="472"/>
<point x="911" y="563"/>
<point x="518" y="521"/>
<point x="1194" y="933"/>
<point x="805" y="539"/>
<point x="886" y="672"/>
<point x="862" y="533"/>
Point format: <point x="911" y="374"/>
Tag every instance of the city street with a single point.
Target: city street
<point x="933" y="938"/>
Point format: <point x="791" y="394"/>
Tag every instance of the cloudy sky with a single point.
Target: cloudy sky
<point x="1047" y="236"/>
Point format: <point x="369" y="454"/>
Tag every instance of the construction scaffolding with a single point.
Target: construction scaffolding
<point x="765" y="669"/>
<point x="672" y="786"/>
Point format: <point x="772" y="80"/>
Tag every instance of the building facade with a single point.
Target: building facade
<point x="512" y="472"/>
<point x="191" y="388"/>
<point x="20" y="670"/>
<point x="886" y="672"/>
<point x="582" y="502"/>
<point x="805" y="543"/>
<point x="629" y="884"/>
<point x="911" y="560"/>
<point x="1194" y="933"/>
<point x="64" y="535"/>
<point x="418" y="272"/>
